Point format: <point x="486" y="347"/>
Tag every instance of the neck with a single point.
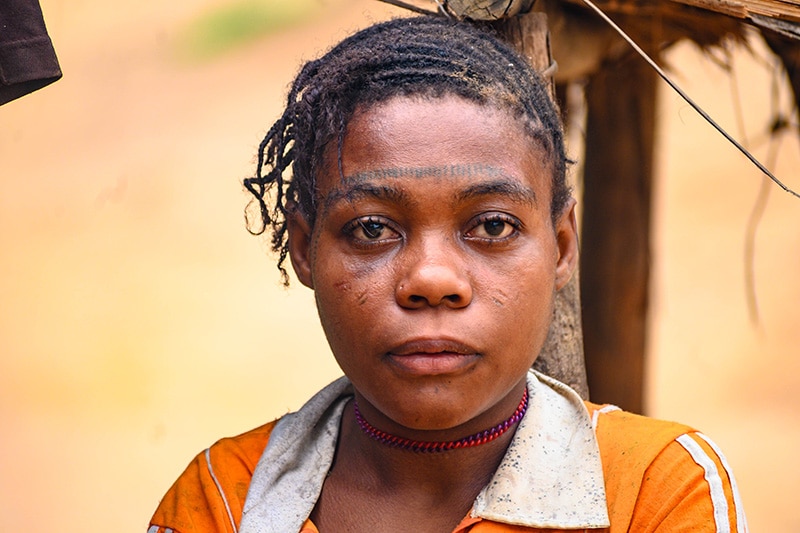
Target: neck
<point x="423" y="446"/>
<point x="435" y="474"/>
<point x="434" y="491"/>
<point x="469" y="468"/>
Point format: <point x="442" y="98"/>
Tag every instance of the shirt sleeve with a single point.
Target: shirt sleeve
<point x="662" y="476"/>
<point x="689" y="486"/>
<point x="27" y="58"/>
<point x="209" y="496"/>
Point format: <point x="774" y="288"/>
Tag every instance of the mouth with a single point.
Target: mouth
<point x="429" y="357"/>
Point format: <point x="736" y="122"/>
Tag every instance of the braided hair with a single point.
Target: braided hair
<point x="415" y="56"/>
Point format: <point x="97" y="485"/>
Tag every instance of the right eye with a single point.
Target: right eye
<point x="370" y="230"/>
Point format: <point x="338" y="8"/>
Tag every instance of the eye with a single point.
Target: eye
<point x="494" y="227"/>
<point x="370" y="229"/>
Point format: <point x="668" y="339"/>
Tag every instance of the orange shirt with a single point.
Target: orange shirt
<point x="657" y="476"/>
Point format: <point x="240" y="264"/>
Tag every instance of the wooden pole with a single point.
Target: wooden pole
<point x="615" y="248"/>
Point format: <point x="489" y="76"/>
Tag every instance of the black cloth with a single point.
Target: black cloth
<point x="27" y="58"/>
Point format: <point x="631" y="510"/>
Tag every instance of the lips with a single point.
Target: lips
<point x="432" y="357"/>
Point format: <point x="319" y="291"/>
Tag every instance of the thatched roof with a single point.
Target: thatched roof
<point x="653" y="24"/>
<point x="782" y="16"/>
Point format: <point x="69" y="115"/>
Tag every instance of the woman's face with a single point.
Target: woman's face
<point x="434" y="262"/>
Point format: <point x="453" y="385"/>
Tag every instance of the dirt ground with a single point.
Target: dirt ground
<point x="139" y="321"/>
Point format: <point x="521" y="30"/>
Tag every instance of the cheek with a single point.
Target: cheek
<point x="520" y="293"/>
<point x="340" y="269"/>
<point x="351" y="279"/>
<point x="349" y="294"/>
<point x="527" y="275"/>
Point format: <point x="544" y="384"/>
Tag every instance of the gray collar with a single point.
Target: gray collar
<point x="550" y="477"/>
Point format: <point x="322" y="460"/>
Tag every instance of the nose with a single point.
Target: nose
<point x="434" y="274"/>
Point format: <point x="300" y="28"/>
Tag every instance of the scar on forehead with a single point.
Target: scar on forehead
<point x="443" y="171"/>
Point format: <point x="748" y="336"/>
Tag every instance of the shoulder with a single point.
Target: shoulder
<point x="209" y="495"/>
<point x="628" y="437"/>
<point x="664" y="476"/>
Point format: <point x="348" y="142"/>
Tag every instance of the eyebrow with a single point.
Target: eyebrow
<point x="362" y="190"/>
<point x="504" y="187"/>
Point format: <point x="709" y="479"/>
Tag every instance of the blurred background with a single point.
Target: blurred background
<point x="140" y="322"/>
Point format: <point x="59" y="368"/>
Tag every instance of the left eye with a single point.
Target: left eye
<point x="493" y="228"/>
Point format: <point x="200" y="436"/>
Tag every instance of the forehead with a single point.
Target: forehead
<point x="408" y="138"/>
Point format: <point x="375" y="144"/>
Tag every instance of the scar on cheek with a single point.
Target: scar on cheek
<point x="499" y="299"/>
<point x="362" y="298"/>
<point x="343" y="286"/>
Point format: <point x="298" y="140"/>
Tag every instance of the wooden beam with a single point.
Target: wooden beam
<point x="745" y="9"/>
<point x="615" y="247"/>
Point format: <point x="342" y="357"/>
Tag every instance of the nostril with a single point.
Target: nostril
<point x="447" y="299"/>
<point x="433" y="284"/>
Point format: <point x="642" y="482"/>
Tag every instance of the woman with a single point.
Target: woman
<point x="417" y="181"/>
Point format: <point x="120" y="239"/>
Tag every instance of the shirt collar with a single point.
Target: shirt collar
<point x="550" y="477"/>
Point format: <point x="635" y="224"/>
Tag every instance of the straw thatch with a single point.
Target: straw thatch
<point x="780" y="13"/>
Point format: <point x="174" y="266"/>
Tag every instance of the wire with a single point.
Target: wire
<point x="691" y="102"/>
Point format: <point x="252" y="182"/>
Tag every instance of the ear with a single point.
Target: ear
<point x="300" y="245"/>
<point x="567" y="242"/>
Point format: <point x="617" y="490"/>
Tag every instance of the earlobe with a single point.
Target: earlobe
<point x="300" y="245"/>
<point x="567" y="241"/>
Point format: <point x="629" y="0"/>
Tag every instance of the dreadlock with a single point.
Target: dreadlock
<point x="428" y="56"/>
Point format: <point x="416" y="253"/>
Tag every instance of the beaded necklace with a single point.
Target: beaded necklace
<point x="476" y="439"/>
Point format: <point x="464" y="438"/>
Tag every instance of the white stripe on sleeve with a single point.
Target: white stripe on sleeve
<point x="219" y="489"/>
<point x="741" y="519"/>
<point x="718" y="499"/>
